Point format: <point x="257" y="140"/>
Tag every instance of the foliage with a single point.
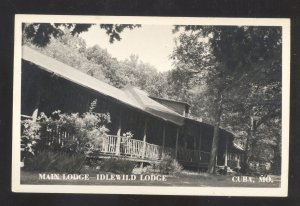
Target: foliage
<point x="70" y="133"/>
<point x="40" y="34"/>
<point x="71" y="50"/>
<point x="168" y="165"/>
<point x="109" y="66"/>
<point x="30" y="136"/>
<point x="97" y="62"/>
<point x="117" y="165"/>
<point x="126" y="136"/>
<point x="49" y="161"/>
<point x="137" y="73"/>
<point x="236" y="71"/>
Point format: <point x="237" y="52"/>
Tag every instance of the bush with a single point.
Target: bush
<point x="48" y="161"/>
<point x="117" y="165"/>
<point x="29" y="138"/>
<point x="168" y="165"/>
<point x="69" y="133"/>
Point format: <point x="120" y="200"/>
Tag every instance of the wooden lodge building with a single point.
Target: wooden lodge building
<point x="158" y="125"/>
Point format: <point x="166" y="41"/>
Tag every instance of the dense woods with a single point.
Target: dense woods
<point x="231" y="76"/>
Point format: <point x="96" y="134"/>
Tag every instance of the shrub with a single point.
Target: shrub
<point x="30" y="137"/>
<point x="117" y="166"/>
<point x="69" y="163"/>
<point x="168" y="165"/>
<point x="48" y="161"/>
<point x="69" y="133"/>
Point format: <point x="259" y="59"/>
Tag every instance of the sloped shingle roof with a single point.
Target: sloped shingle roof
<point x="130" y="96"/>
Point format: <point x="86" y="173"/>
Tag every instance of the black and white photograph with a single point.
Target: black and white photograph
<point x="151" y="105"/>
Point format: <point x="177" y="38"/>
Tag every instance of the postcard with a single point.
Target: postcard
<point x="151" y="105"/>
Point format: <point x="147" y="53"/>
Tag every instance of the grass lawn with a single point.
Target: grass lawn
<point x="183" y="179"/>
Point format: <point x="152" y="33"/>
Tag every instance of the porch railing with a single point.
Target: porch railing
<point x="131" y="147"/>
<point x="152" y="151"/>
<point x="189" y="155"/>
<point x="108" y="145"/>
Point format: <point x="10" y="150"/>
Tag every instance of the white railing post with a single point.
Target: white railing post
<point x="144" y="138"/>
<point x="118" y="143"/>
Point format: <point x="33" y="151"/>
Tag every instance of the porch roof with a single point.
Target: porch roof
<point x="231" y="134"/>
<point x="152" y="106"/>
<point x="129" y="96"/>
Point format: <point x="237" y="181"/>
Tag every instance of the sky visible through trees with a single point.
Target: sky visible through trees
<point x="152" y="43"/>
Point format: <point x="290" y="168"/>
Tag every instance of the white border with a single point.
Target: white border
<point x="151" y="190"/>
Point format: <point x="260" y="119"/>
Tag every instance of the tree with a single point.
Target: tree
<point x="195" y="54"/>
<point x="109" y="65"/>
<point x="39" y="34"/>
<point x="137" y="73"/>
<point x="70" y="49"/>
<point x="233" y="60"/>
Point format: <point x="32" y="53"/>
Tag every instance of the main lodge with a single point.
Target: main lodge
<point x="159" y="126"/>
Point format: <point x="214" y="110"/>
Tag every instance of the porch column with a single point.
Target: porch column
<point x="195" y="143"/>
<point x="118" y="143"/>
<point x="200" y="142"/>
<point x="163" y="139"/>
<point x="176" y="146"/>
<point x="144" y="138"/>
<point x="36" y="103"/>
<point x="199" y="149"/>
<point x="226" y="151"/>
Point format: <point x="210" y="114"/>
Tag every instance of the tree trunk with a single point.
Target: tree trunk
<point x="215" y="143"/>
<point x="276" y="166"/>
<point x="214" y="151"/>
<point x="245" y="161"/>
<point x="250" y="137"/>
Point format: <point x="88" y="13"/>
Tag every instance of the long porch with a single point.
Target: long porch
<point x="141" y="151"/>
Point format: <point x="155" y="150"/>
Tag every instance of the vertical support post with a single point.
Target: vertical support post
<point x="176" y="146"/>
<point x="37" y="103"/>
<point x="200" y="144"/>
<point x="194" y="156"/>
<point x="226" y="151"/>
<point x="199" y="149"/>
<point x="118" y="143"/>
<point x="145" y="138"/>
<point x="163" y="139"/>
<point x="195" y="143"/>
